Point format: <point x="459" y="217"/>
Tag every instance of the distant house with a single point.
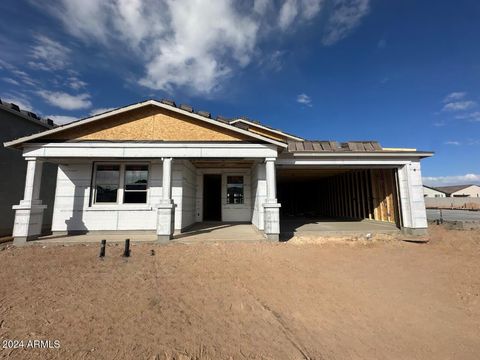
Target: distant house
<point x="14" y="123"/>
<point x="470" y="190"/>
<point x="431" y="192"/>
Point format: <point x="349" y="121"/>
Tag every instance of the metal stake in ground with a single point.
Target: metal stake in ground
<point x="102" y="248"/>
<point x="126" y="253"/>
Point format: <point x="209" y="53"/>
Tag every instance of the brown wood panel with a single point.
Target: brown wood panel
<point x="368" y="198"/>
<point x="389" y="195"/>
<point x="150" y="124"/>
<point x="357" y="194"/>
<point x="375" y="200"/>
<point x="362" y="192"/>
<point x="267" y="133"/>
<point x="383" y="188"/>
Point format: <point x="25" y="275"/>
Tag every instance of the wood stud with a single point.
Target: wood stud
<point x="360" y="194"/>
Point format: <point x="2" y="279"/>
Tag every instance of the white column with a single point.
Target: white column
<point x="414" y="215"/>
<point x="271" y="206"/>
<point x="29" y="212"/>
<point x="271" y="180"/>
<point x="165" y="210"/>
<point x="167" y="179"/>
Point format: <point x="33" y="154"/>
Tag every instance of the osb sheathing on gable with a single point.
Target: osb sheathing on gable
<point x="267" y="133"/>
<point x="150" y="124"/>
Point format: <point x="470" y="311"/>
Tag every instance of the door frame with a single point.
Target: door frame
<point x="204" y="202"/>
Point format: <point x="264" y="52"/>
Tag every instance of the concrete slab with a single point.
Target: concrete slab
<point x="206" y="231"/>
<point x="95" y="238"/>
<point x="333" y="226"/>
<point x="219" y="231"/>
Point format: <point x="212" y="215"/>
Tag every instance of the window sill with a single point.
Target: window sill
<point x="122" y="207"/>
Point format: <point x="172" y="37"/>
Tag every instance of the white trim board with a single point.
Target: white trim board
<point x="149" y="150"/>
<point x="24" y="139"/>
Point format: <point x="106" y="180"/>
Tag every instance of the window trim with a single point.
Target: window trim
<point x="121" y="185"/>
<point x="242" y="175"/>
<point x="146" y="189"/>
<point x="94" y="188"/>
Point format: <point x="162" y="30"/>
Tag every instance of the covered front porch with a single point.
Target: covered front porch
<point x="163" y="197"/>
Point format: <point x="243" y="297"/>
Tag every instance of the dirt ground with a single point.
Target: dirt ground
<point x="305" y="299"/>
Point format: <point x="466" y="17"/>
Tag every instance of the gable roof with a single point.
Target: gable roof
<point x="265" y="127"/>
<point x="434" y="189"/>
<point x="454" y="188"/>
<point x="168" y="105"/>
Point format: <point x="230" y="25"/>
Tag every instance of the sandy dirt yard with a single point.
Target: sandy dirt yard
<point x="379" y="299"/>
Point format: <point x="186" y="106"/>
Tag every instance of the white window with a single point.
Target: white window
<point x="235" y="189"/>
<point x="136" y="181"/>
<point x="120" y="184"/>
<point x="107" y="181"/>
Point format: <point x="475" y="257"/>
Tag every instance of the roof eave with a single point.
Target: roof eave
<point x="417" y="154"/>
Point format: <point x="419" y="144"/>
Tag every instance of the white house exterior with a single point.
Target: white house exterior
<point x="159" y="168"/>
<point x="432" y="192"/>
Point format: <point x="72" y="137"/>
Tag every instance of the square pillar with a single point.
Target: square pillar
<point x="414" y="215"/>
<point x="166" y="207"/>
<point x="271" y="206"/>
<point x="29" y="213"/>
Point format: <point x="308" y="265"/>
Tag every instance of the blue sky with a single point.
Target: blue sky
<point x="403" y="72"/>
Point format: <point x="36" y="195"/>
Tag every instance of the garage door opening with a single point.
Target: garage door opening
<point x="338" y="200"/>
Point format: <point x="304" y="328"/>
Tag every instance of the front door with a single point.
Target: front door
<point x="212" y="197"/>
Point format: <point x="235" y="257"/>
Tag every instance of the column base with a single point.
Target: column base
<point x="165" y="221"/>
<point x="28" y="222"/>
<point x="20" y="241"/>
<point x="273" y="237"/>
<point x="415" y="231"/>
<point x="163" y="239"/>
<point x="272" y="220"/>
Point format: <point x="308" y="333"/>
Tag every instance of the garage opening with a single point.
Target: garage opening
<point x="338" y="199"/>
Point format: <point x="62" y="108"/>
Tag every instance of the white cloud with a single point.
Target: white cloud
<point x="24" y="77"/>
<point x="346" y="16"/>
<point x="62" y="119"/>
<point x="451" y="180"/>
<point x="261" y="6"/>
<point x="195" y="44"/>
<point x="454" y="96"/>
<point x="10" y="81"/>
<point x="48" y="54"/>
<point x="199" y="52"/>
<point x="451" y="142"/>
<point x="304" y="99"/>
<point x="66" y="101"/>
<point x="75" y="83"/>
<point x="292" y="10"/>
<point x="100" y="110"/>
<point x="459" y="105"/>
<point x="20" y="99"/>
<point x="474" y="116"/>
<point x="288" y="12"/>
<point x="273" y="61"/>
